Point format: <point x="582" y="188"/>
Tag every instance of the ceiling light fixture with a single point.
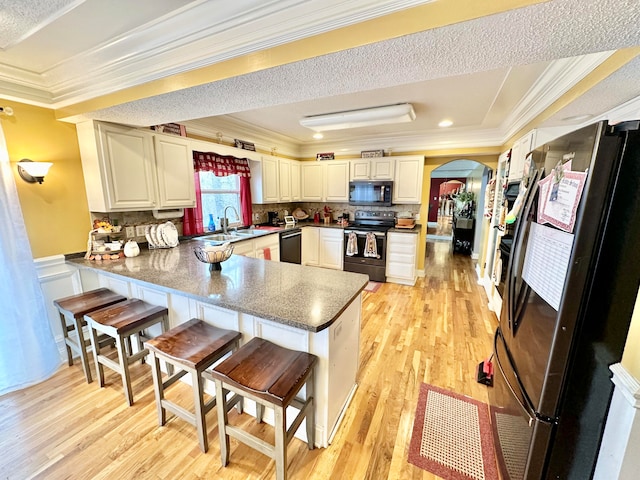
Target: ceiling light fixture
<point x="445" y="123"/>
<point x="31" y="171"/>
<point x="318" y="136"/>
<point x="361" y="118"/>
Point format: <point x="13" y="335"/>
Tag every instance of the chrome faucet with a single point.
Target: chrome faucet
<point x="225" y="221"/>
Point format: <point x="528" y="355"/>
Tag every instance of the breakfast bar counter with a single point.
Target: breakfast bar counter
<point x="299" y="307"/>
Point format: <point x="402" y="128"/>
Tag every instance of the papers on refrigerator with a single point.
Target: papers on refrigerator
<point x="560" y="194"/>
<point x="546" y="262"/>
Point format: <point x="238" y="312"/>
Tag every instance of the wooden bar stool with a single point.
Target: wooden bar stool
<point x="122" y="321"/>
<point x="192" y="347"/>
<point x="271" y="376"/>
<point x="75" y="307"/>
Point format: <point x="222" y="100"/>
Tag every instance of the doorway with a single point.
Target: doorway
<point x="448" y="183"/>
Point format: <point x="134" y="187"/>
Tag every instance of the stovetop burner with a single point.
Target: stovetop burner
<point x="374" y="220"/>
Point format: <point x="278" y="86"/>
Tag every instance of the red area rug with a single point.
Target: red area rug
<point x="372" y="287"/>
<point x="452" y="436"/>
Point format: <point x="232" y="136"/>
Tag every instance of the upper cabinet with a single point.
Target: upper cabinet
<point x="264" y="180"/>
<point x="519" y="152"/>
<point x="312" y="181"/>
<point x="123" y="171"/>
<point x="174" y="168"/>
<point x="407" y="181"/>
<point x="296" y="192"/>
<point x="326" y="181"/>
<point x="337" y="181"/>
<point x="372" y="169"/>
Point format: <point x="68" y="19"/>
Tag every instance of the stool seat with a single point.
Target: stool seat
<point x="269" y="371"/>
<point x="192" y="346"/>
<point x="122" y="321"/>
<point x="271" y="376"/>
<point x="193" y="343"/>
<point x="75" y="307"/>
<point x="127" y="316"/>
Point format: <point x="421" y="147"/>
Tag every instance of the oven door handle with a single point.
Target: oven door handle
<point x="359" y="232"/>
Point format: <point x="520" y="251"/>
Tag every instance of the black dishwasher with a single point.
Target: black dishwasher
<point x="291" y="245"/>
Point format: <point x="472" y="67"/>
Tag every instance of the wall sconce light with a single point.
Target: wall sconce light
<point x="31" y="171"/>
<point x="8" y="111"/>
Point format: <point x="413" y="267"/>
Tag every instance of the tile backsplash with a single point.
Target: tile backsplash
<point x="127" y="219"/>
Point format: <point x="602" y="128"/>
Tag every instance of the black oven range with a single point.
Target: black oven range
<point x="365" y="243"/>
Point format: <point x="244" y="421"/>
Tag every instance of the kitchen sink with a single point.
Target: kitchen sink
<point x="232" y="236"/>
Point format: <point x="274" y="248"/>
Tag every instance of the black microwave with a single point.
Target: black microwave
<point x="365" y="192"/>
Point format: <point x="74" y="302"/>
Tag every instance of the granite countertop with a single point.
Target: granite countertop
<point x="416" y="229"/>
<point x="310" y="298"/>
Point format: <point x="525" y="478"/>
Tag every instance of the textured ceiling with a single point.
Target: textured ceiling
<point x="496" y="73"/>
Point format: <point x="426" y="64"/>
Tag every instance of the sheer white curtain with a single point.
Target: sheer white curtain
<point x="28" y="352"/>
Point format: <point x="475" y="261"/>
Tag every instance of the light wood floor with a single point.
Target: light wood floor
<point x="435" y="332"/>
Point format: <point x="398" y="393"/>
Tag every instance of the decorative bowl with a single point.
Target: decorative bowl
<point x="213" y="255"/>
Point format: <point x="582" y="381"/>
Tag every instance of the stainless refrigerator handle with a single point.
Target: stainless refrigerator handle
<point x="513" y="392"/>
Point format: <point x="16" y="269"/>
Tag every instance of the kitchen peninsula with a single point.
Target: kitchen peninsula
<point x="299" y="307"/>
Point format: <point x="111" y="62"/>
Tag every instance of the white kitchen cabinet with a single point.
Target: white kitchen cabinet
<point x="255" y="247"/>
<point x="337" y="181"/>
<point x="312" y="181"/>
<point x="402" y="249"/>
<point x="519" y="153"/>
<point x="244" y="248"/>
<point x="272" y="242"/>
<point x="311" y="246"/>
<point x="264" y="180"/>
<point x="118" y="166"/>
<point x="123" y="171"/>
<point x="331" y="248"/>
<point x="174" y="168"/>
<point x="407" y="185"/>
<point x="322" y="247"/>
<point x="289" y="180"/>
<point x="326" y="181"/>
<point x="284" y="174"/>
<point x="296" y="194"/>
<point x="372" y="168"/>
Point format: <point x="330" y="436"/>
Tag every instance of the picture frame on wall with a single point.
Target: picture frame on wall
<point x="171" y="128"/>
<point x="325" y="156"/>
<point x="244" y="145"/>
<point x="371" y="153"/>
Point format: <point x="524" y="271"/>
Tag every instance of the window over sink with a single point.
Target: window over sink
<point x="218" y="193"/>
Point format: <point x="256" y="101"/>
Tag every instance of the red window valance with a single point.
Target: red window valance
<point x="220" y="165"/>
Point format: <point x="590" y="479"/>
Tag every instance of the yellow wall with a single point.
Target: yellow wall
<point x="56" y="212"/>
<point x="631" y="356"/>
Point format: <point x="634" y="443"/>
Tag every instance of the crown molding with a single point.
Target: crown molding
<point x="185" y="41"/>
<point x="230" y="129"/>
<point x="627" y="111"/>
<point x="556" y="80"/>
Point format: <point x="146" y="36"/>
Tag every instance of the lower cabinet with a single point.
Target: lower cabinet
<point x="331" y="248"/>
<point x="323" y="247"/>
<point x="310" y="246"/>
<point x="402" y="249"/>
<point x="256" y="247"/>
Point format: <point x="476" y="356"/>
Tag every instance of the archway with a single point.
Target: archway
<point x="448" y="181"/>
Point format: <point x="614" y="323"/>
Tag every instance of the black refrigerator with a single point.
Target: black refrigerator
<point x="572" y="280"/>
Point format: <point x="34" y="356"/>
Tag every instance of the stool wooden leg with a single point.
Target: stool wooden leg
<point x="281" y="442"/>
<point x="82" y="348"/>
<point x="310" y="419"/>
<point x="158" y="388"/>
<point x="124" y="365"/>
<point x="95" y="345"/>
<point x="201" y="423"/>
<point x="221" y="399"/>
<point x="65" y="333"/>
<point x="259" y="412"/>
